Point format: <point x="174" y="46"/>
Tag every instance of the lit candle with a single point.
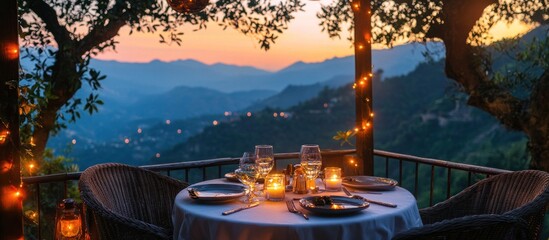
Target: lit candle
<point x="332" y="178"/>
<point x="274" y="187"/>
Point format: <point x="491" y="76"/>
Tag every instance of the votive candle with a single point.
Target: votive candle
<point x="332" y="178"/>
<point x="274" y="187"/>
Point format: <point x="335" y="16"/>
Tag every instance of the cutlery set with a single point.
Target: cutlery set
<point x="293" y="209"/>
<point x="368" y="200"/>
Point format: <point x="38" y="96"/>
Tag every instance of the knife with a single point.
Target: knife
<point x="368" y="200"/>
<point x="251" y="205"/>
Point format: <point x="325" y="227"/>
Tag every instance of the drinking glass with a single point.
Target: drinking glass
<point x="247" y="173"/>
<point x="311" y="161"/>
<point x="265" y="159"/>
<point x="265" y="162"/>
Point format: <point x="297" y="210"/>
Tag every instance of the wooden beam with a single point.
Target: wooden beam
<point x="363" y="85"/>
<point x="11" y="220"/>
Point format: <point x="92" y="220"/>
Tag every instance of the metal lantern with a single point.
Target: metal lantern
<point x="69" y="222"/>
<point x="188" y="6"/>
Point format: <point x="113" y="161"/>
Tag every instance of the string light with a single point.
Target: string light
<point x="4" y="136"/>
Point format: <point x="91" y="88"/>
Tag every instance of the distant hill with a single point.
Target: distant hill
<point x="294" y="94"/>
<point x="141" y="93"/>
<point x="415" y="114"/>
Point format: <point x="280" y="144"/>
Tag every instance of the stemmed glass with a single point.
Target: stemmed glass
<point x="265" y="161"/>
<point x="311" y="161"/>
<point x="247" y="174"/>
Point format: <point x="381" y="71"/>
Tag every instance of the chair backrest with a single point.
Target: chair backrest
<point x="505" y="192"/>
<point x="123" y="199"/>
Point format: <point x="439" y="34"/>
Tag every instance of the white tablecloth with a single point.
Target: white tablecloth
<point x="193" y="220"/>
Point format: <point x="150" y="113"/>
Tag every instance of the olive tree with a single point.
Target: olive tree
<point x="61" y="36"/>
<point x="517" y="94"/>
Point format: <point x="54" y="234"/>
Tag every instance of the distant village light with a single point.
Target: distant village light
<point x="73" y="141"/>
<point x="282" y="114"/>
<point x="126" y="140"/>
<point x="325" y="105"/>
<point x="249" y="114"/>
<point x="139" y="130"/>
<point x="215" y="122"/>
<point x="168" y="122"/>
<point x="179" y="131"/>
<point x="227" y="114"/>
<point x="157" y="155"/>
<point x="275" y="114"/>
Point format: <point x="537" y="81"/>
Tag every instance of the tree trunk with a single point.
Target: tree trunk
<point x="538" y="124"/>
<point x="65" y="82"/>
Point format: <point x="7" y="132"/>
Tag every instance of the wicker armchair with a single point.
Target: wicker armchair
<point x="125" y="202"/>
<point x="506" y="206"/>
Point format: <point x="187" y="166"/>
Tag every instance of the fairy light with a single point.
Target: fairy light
<point x="4" y="136"/>
<point x="11" y="51"/>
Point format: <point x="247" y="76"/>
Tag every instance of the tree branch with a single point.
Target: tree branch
<point x="49" y="16"/>
<point x="117" y="17"/>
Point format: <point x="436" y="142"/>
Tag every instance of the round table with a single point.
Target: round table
<point x="271" y="220"/>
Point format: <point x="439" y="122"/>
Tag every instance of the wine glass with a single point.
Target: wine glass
<point x="311" y="162"/>
<point x="247" y="174"/>
<point x="265" y="161"/>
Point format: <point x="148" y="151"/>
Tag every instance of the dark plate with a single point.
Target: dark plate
<point x="341" y="205"/>
<point x="369" y="183"/>
<point x="217" y="192"/>
<point x="232" y="177"/>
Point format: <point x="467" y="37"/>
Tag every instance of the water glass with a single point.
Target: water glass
<point x="311" y="162"/>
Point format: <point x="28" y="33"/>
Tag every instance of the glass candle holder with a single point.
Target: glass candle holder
<point x="332" y="178"/>
<point x="275" y="188"/>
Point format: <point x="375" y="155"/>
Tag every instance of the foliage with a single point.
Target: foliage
<point x="61" y="37"/>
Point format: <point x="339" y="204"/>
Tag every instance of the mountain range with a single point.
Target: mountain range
<point x="139" y="94"/>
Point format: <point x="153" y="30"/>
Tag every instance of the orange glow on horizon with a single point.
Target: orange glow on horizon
<point x="302" y="41"/>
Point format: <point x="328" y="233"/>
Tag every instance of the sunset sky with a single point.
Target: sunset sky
<point x="303" y="41"/>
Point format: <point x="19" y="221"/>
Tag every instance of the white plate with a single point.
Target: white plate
<point x="369" y="183"/>
<point x="340" y="205"/>
<point x="216" y="192"/>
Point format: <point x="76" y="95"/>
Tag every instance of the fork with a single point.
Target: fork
<point x="192" y="193"/>
<point x="291" y="207"/>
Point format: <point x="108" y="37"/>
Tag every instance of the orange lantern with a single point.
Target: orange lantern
<point x="69" y="222"/>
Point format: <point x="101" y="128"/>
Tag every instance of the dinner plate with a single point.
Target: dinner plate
<point x="369" y="183"/>
<point x="232" y="177"/>
<point x="216" y="192"/>
<point x="340" y="205"/>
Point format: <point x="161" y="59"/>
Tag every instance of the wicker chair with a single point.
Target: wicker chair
<point x="506" y="206"/>
<point x="125" y="202"/>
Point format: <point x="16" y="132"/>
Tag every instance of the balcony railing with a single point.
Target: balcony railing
<point x="444" y="178"/>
